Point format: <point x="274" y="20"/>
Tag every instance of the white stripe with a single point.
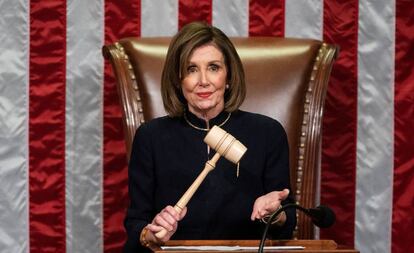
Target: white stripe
<point x="375" y="126"/>
<point x="84" y="219"/>
<point x="14" y="45"/>
<point x="303" y="19"/>
<point x="159" y="18"/>
<point x="232" y="17"/>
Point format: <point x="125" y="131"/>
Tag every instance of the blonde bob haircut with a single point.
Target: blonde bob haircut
<point x="182" y="45"/>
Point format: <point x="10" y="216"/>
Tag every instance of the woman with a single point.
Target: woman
<point x="203" y="85"/>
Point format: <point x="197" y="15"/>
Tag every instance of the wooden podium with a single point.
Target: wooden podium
<point x="310" y="246"/>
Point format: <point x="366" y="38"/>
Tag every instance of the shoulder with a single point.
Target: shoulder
<point x="156" y="126"/>
<point x="258" y="121"/>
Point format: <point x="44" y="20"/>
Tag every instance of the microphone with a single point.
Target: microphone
<point x="321" y="216"/>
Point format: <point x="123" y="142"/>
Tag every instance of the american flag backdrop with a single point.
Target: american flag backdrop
<point x="63" y="176"/>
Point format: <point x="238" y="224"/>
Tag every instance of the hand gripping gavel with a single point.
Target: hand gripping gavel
<point x="225" y="145"/>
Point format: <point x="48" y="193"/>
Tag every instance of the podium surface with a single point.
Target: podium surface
<point x="309" y="246"/>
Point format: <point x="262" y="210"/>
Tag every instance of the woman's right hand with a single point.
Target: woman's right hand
<point x="167" y="219"/>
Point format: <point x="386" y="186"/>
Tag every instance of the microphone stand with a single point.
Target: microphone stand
<point x="272" y="217"/>
<point x="322" y="216"/>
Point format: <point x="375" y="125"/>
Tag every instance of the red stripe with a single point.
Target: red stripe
<point x="47" y="126"/>
<point x="340" y="121"/>
<point x="403" y="199"/>
<point x="122" y="19"/>
<point x="266" y="18"/>
<point x="189" y="11"/>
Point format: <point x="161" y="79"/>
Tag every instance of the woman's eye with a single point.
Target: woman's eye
<point x="214" y="67"/>
<point x="191" y="69"/>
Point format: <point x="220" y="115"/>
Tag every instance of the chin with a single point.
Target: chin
<point x="206" y="108"/>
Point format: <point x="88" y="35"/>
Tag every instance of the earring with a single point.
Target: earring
<point x="227" y="86"/>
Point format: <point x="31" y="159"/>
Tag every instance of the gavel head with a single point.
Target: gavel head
<point x="225" y="144"/>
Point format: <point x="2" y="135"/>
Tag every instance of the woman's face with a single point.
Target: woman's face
<point x="205" y="81"/>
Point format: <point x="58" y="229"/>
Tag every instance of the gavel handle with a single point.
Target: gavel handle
<point x="210" y="165"/>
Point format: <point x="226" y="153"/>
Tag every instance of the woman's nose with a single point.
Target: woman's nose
<point x="203" y="81"/>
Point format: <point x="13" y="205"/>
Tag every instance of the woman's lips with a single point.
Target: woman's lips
<point x="204" y="94"/>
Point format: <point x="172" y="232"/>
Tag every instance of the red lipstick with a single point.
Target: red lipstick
<point x="204" y="94"/>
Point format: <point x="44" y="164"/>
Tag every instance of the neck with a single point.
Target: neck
<point x="221" y="120"/>
<point x="206" y="114"/>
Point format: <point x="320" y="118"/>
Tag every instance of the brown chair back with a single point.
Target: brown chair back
<point x="286" y="79"/>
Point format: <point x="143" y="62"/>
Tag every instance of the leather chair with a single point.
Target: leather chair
<point x="286" y="79"/>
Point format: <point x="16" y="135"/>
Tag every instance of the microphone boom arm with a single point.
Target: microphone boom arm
<point x="322" y="216"/>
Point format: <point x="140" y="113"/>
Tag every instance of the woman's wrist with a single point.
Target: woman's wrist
<point x="279" y="220"/>
<point x="148" y="239"/>
<point x="143" y="238"/>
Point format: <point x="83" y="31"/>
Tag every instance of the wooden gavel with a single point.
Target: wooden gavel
<point x="225" y="145"/>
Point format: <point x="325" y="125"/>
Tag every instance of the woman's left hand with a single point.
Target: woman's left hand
<point x="267" y="204"/>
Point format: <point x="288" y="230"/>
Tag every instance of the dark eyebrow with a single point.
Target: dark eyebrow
<point x="216" y="61"/>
